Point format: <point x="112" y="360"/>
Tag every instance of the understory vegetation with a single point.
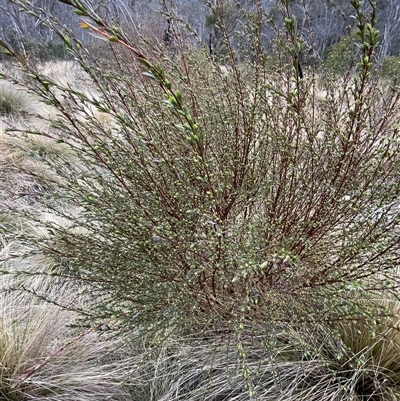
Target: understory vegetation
<point x="177" y="225"/>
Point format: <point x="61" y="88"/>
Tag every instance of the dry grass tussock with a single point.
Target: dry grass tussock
<point x="14" y="100"/>
<point x="352" y="362"/>
<point x="21" y="160"/>
<point x="42" y="357"/>
<point x="23" y="152"/>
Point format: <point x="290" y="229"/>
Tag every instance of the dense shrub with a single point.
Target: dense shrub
<point x="391" y="67"/>
<point x="340" y="57"/>
<point x="229" y="204"/>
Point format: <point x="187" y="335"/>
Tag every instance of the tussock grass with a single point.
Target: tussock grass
<point x="42" y="356"/>
<point x="18" y="186"/>
<point x="352" y="362"/>
<point x="23" y="155"/>
<point x="14" y="100"/>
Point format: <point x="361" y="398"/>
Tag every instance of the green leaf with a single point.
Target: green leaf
<point x="79" y="12"/>
<point x="178" y="96"/>
<point x="150" y="75"/>
<point x="8" y="52"/>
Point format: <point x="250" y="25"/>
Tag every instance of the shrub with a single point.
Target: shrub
<point x="230" y="204"/>
<point x="390" y="67"/>
<point x="341" y="56"/>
